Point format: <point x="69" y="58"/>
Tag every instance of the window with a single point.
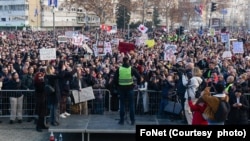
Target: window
<point x="73" y="9"/>
<point x="3" y="19"/>
<point x="60" y="9"/>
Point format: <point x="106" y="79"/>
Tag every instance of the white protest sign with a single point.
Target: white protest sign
<point x="77" y="40"/>
<point x="62" y="39"/>
<point x="85" y="94"/>
<point x="107" y="48"/>
<point x="71" y="34"/>
<point x="224" y="37"/>
<point x="47" y="54"/>
<point x="169" y="51"/>
<point x="227" y="54"/>
<point x="238" y="47"/>
<point x="115" y="41"/>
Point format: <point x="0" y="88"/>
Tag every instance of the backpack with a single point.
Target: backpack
<point x="222" y="111"/>
<point x="201" y="87"/>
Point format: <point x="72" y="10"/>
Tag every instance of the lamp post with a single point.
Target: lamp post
<point x="53" y="11"/>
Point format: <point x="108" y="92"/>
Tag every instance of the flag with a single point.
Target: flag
<point x="52" y="3"/>
<point x="36" y="12"/>
<point x="142" y="28"/>
<point x="198" y="10"/>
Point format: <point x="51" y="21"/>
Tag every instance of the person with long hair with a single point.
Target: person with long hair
<point x="192" y="80"/>
<point x="41" y="100"/>
<point x="51" y="78"/>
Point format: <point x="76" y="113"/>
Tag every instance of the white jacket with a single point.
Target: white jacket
<point x="192" y="87"/>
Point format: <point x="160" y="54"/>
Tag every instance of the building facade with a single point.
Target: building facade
<point x="38" y="15"/>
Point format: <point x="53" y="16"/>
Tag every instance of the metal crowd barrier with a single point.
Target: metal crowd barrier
<point x="101" y="103"/>
<point x="147" y="102"/>
<point x="28" y="103"/>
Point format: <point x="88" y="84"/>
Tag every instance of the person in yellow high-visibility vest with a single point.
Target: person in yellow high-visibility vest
<point x="123" y="79"/>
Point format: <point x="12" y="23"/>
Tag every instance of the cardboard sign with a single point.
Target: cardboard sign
<point x="85" y="94"/>
<point x="227" y="54"/>
<point x="47" y="54"/>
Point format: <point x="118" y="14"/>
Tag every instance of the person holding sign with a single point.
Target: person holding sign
<point x="123" y="78"/>
<point x="79" y="82"/>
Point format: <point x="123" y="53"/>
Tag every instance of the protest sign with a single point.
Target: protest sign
<point x="85" y="94"/>
<point x="47" y="54"/>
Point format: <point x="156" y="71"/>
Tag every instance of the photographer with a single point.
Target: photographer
<point x="167" y="88"/>
<point x="192" y="82"/>
<point x="181" y="88"/>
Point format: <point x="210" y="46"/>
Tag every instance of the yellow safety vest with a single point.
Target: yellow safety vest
<point x="125" y="76"/>
<point x="227" y="88"/>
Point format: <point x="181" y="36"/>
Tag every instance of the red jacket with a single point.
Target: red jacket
<point x="197" y="113"/>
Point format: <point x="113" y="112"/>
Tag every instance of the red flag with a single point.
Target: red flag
<point x="125" y="47"/>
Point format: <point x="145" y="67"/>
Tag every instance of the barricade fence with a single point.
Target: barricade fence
<point x="146" y="102"/>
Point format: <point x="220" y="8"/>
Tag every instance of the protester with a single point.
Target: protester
<point x="16" y="99"/>
<point x="28" y="84"/>
<point x="238" y="114"/>
<point x="41" y="100"/>
<point x="212" y="101"/>
<point x="198" y="109"/>
<point x="192" y="82"/>
<point x="79" y="82"/>
<point x="51" y="78"/>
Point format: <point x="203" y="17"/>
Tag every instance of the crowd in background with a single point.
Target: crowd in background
<point x="20" y="64"/>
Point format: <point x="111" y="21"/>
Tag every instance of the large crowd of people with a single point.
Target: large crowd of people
<point x="197" y="57"/>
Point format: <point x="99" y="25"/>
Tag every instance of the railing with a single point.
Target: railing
<point x="28" y="103"/>
<point x="146" y="102"/>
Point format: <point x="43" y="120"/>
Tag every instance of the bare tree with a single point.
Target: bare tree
<point x="102" y="8"/>
<point x="165" y="7"/>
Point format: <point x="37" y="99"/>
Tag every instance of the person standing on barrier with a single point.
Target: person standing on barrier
<point x="51" y="78"/>
<point x="28" y="84"/>
<point x="16" y="98"/>
<point x="123" y="78"/>
<point x="41" y="99"/>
